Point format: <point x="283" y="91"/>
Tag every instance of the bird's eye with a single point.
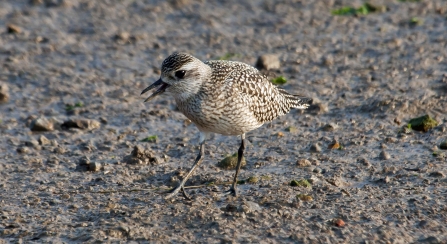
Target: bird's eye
<point x="180" y="74"/>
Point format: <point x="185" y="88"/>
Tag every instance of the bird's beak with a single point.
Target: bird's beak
<point x="160" y="90"/>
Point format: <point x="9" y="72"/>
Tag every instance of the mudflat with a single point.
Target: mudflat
<point x="83" y="159"/>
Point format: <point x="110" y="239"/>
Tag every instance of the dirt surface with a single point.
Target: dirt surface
<point x="71" y="115"/>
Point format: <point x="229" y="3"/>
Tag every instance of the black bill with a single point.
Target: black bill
<point x="161" y="88"/>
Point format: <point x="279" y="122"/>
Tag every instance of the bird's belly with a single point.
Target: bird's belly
<point x="225" y="121"/>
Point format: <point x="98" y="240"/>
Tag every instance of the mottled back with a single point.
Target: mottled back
<point x="265" y="100"/>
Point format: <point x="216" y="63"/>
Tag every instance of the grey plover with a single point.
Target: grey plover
<point x="225" y="97"/>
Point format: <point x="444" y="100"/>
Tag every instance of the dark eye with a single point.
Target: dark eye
<point x="180" y="74"/>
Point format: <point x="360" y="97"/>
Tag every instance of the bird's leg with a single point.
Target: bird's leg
<point x="240" y="154"/>
<point x="196" y="164"/>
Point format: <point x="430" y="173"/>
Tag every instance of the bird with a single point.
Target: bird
<point x="223" y="97"/>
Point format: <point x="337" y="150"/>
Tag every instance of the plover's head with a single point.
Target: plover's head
<point x="181" y="75"/>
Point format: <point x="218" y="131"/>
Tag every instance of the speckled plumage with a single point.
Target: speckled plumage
<point x="233" y="98"/>
<point x="225" y="97"/>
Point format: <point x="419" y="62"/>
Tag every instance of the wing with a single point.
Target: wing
<point x="265" y="100"/>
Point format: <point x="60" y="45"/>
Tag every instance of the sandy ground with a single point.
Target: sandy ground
<point x="87" y="62"/>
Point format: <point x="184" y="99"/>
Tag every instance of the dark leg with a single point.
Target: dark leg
<point x="196" y="164"/>
<point x="240" y="154"/>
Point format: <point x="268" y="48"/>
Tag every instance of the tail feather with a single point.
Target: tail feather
<point x="296" y="101"/>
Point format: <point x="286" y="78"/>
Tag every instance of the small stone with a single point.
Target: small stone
<point x="390" y="140"/>
<point x="364" y="162"/>
<point x="36" y="2"/>
<point x="65" y="196"/>
<point x="11" y="28"/>
<point x="231" y="208"/>
<point x="43" y="140"/>
<point x="318" y="170"/>
<point x="339" y="222"/>
<point x="4" y="93"/>
<point x="268" y="62"/>
<point x="329" y="127"/>
<point x="95" y="166"/>
<point x="53" y="161"/>
<point x="304" y="197"/>
<point x="54" y="143"/>
<point x="230" y="162"/>
<point x="83" y="124"/>
<point x="179" y="3"/>
<point x="32" y="143"/>
<point x="443" y="145"/>
<point x="59" y="150"/>
<point x="315" y="148"/>
<point x="84" y="161"/>
<point x="328" y="60"/>
<point x="41" y="124"/>
<point x="430" y="240"/>
<point x="140" y="155"/>
<point x="103" y="120"/>
<point x="437" y="174"/>
<point x="249" y="207"/>
<point x="334" y="145"/>
<point x="140" y="152"/>
<point x="23" y="150"/>
<point x="292" y="129"/>
<point x="384" y="155"/>
<point x="303" y="163"/>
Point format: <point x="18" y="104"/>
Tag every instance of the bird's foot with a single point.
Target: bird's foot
<point x="232" y="191"/>
<point x="175" y="191"/>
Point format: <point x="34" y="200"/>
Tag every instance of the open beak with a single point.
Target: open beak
<point x="161" y="88"/>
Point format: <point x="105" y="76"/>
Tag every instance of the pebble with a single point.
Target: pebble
<point x="84" y="161"/>
<point x="268" y="62"/>
<point x="328" y="60"/>
<point x="315" y="148"/>
<point x="140" y="155"/>
<point x="339" y="222"/>
<point x="59" y="150"/>
<point x="390" y="140"/>
<point x="443" y="145"/>
<point x="292" y="129"/>
<point x="363" y="161"/>
<point x="95" y="166"/>
<point x="430" y="240"/>
<point x="11" y="28"/>
<point x="231" y="208"/>
<point x="329" y="127"/>
<point x="4" y="93"/>
<point x="23" y="150"/>
<point x="334" y="145"/>
<point x="41" y="124"/>
<point x="83" y="124"/>
<point x="384" y="155"/>
<point x="43" y="140"/>
<point x="32" y="143"/>
<point x="249" y="207"/>
<point x="303" y="163"/>
<point x="437" y="174"/>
